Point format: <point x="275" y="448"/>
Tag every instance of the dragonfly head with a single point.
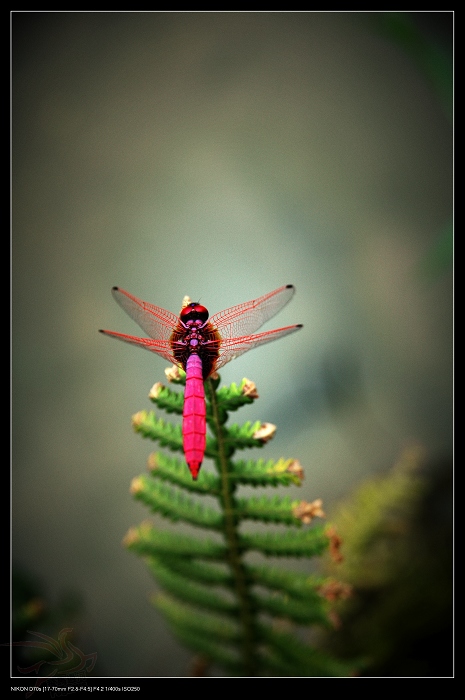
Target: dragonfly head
<point x="194" y="312"/>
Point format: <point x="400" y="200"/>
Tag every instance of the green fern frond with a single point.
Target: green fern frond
<point x="208" y="625"/>
<point x="242" y="436"/>
<point x="166" y="399"/>
<point x="307" y="543"/>
<point x="236" y="437"/>
<point x="311" y="611"/>
<point x="214" y="601"/>
<point x="189" y="592"/>
<point x="148" y="425"/>
<point x="174" y="470"/>
<point x="148" y="541"/>
<point x="233" y="397"/>
<point x="173" y="504"/>
<point x="271" y="510"/>
<point x="202" y="572"/>
<point x="290" y="583"/>
<point x="284" y="472"/>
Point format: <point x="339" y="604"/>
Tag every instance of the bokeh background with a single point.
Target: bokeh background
<point x="219" y="155"/>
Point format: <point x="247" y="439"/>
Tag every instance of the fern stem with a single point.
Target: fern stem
<point x="231" y="534"/>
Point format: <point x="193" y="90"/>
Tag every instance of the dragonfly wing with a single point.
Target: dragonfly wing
<point x="233" y="347"/>
<point x="160" y="347"/>
<point x="158" y="323"/>
<point x="246" y="318"/>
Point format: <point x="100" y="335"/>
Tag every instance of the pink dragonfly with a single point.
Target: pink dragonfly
<point x="201" y="346"/>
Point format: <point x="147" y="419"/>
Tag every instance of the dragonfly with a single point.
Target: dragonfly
<point x="202" y="345"/>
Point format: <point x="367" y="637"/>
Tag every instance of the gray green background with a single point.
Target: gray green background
<point x="218" y="155"/>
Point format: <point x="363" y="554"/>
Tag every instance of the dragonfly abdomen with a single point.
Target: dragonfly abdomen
<point x="194" y="424"/>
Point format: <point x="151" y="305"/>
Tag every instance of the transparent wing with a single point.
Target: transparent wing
<point x="158" y="323"/>
<point x="243" y="319"/>
<point x="160" y="347"/>
<point x="233" y="347"/>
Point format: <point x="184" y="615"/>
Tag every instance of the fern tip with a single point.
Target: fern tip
<point x="136" y="485"/>
<point x="305" y="511"/>
<point x="249" y="388"/>
<point x="265" y="432"/>
<point x="174" y="374"/>
<point x="155" y="390"/>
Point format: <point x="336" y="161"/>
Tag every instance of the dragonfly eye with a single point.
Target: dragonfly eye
<point x="194" y="312"/>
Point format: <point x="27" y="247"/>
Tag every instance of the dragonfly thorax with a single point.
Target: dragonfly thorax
<point x="195" y="335"/>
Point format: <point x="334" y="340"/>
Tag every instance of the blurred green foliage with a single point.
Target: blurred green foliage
<point x="397" y="543"/>
<point x="431" y="57"/>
